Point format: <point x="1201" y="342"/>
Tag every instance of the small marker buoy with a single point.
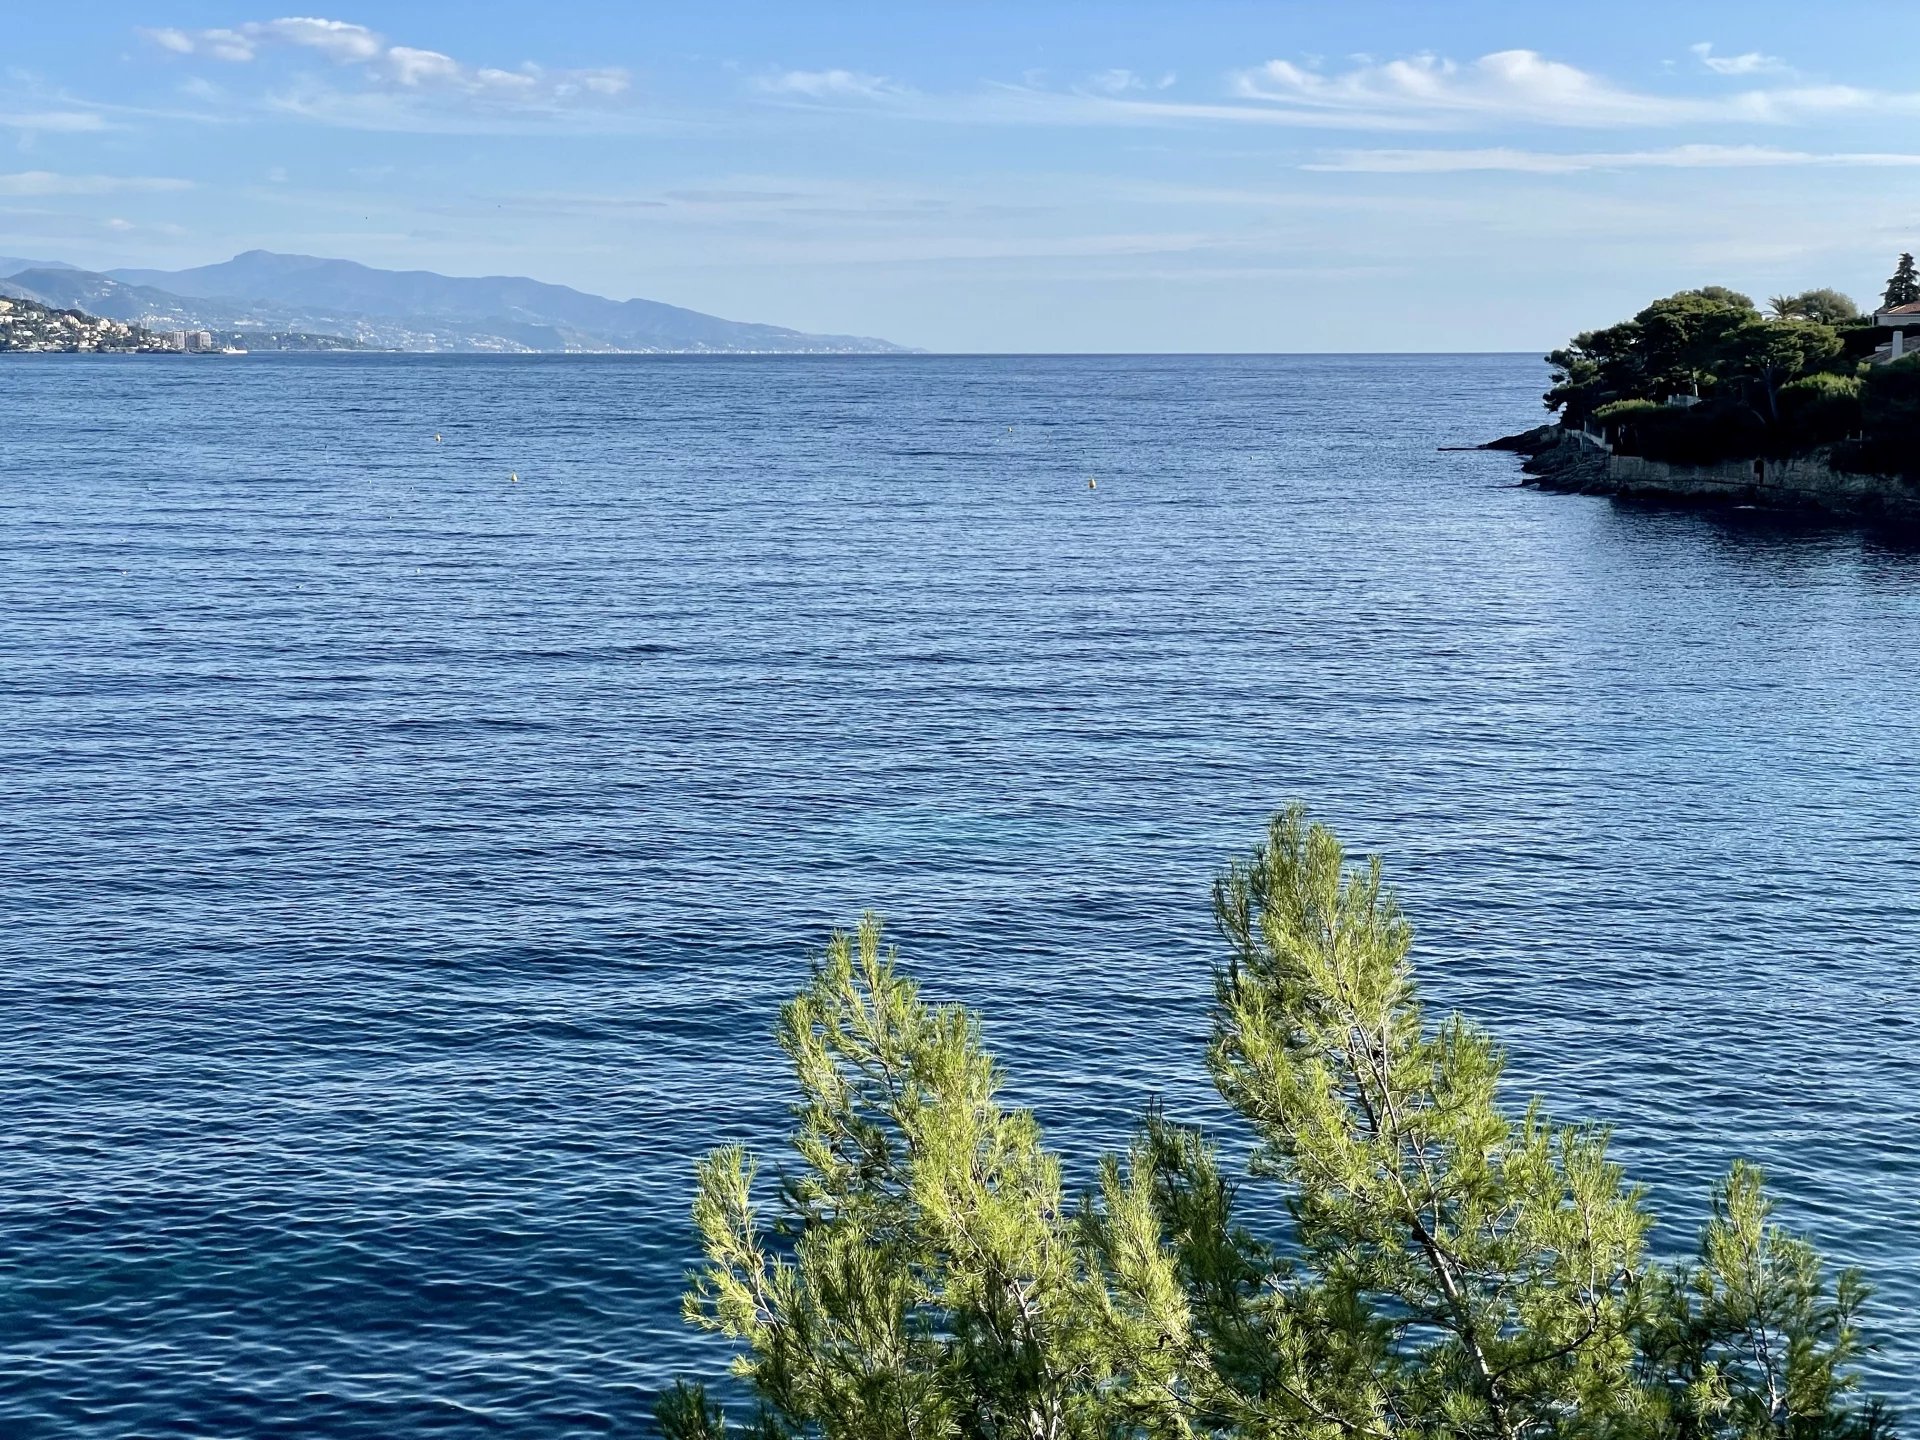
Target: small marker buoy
<point x="513" y="477"/>
<point x="1092" y="484"/>
<point x="436" y="437"/>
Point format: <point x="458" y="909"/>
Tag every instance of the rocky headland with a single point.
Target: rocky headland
<point x="1573" y="461"/>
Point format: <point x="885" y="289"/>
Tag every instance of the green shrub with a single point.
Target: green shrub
<point x="1890" y="414"/>
<point x="1860" y="339"/>
<point x="1704" y="434"/>
<point x="1821" y="409"/>
<point x="1621" y="411"/>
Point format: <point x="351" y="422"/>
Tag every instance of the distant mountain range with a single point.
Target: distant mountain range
<point x="401" y="309"/>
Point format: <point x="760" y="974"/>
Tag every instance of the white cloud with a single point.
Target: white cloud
<point x="46" y="182"/>
<point x="1119" y="82"/>
<point x="401" y="69"/>
<point x="1417" y="93"/>
<point x="1751" y="63"/>
<point x="1536" y="162"/>
<point x="830" y="84"/>
<point x="1428" y="91"/>
<point x="1507" y="84"/>
<point x="178" y="41"/>
<point x="225" y="45"/>
<point x="511" y="80"/>
<point x="421" y="67"/>
<point x="463" y="110"/>
<point x="336" y="39"/>
<point x="63" y="122"/>
<point x="122" y="226"/>
<point x="1421" y="92"/>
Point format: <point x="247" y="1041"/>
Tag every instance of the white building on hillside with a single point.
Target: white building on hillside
<point x="1899" y="319"/>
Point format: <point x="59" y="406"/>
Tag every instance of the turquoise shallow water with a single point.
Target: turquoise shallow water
<point x="399" y="866"/>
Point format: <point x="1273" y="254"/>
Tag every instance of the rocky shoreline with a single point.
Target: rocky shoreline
<point x="1572" y="462"/>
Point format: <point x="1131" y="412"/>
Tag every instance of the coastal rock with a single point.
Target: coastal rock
<point x="1570" y="461"/>
<point x="1559" y="459"/>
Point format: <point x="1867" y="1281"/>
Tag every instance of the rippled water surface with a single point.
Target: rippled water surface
<point x="400" y="864"/>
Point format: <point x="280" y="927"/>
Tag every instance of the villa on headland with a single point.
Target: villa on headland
<point x="1899" y="319"/>
<point x="1702" y="396"/>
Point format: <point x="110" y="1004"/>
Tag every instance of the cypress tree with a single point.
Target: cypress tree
<point x="1903" y="288"/>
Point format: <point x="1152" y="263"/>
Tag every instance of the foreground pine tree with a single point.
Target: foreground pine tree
<point x="1446" y="1268"/>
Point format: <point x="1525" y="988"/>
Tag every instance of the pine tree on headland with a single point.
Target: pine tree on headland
<point x="1904" y="287"/>
<point x="1824" y="306"/>
<point x="1442" y="1267"/>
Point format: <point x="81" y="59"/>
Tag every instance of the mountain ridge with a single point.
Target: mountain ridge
<point x="409" y="309"/>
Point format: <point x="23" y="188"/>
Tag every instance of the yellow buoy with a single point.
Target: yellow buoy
<point x="513" y="476"/>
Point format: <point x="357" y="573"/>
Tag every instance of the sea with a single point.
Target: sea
<point x="422" y="779"/>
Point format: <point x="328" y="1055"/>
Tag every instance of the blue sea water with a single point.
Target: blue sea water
<point x="400" y="863"/>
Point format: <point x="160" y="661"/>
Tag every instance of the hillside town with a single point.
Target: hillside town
<point x="25" y="326"/>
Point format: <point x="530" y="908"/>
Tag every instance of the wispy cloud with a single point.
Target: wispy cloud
<point x="405" y="70"/>
<point x="737" y="197"/>
<point x="977" y="248"/>
<point x="336" y="39"/>
<point x="1507" y="84"/>
<point x="1414" y="93"/>
<point x="1120" y="82"/>
<point x="399" y="111"/>
<point x="120" y="225"/>
<point x="1000" y="103"/>
<point x="1538" y="162"/>
<point x="230" y="45"/>
<point x="46" y="182"/>
<point x="167" y="38"/>
<point x="58" y="122"/>
<point x="1524" y="86"/>
<point x="1750" y="63"/>
<point x="830" y="84"/>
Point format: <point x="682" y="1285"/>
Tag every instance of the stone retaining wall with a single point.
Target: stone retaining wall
<point x="1800" y="483"/>
<point x="1560" y="459"/>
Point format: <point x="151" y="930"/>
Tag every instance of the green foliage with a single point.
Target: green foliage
<point x="1722" y="295"/>
<point x="1751" y="1339"/>
<point x="1482" y="1260"/>
<point x="1449" y="1268"/>
<point x="1684" y="338"/>
<point x="1892" y="397"/>
<point x="1903" y="287"/>
<point x="924" y="1277"/>
<point x="1825" y="306"/>
<point x="1598" y="366"/>
<point x="1822" y="408"/>
<point x="1619" y="412"/>
<point x="1706" y="434"/>
<point x="1710" y="345"/>
<point x="1767" y="354"/>
<point x="1890" y="415"/>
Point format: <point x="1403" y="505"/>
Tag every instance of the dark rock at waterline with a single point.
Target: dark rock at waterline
<point x="1526" y="442"/>
<point x="1556" y="458"/>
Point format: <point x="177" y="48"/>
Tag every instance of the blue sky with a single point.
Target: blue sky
<point x="989" y="175"/>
